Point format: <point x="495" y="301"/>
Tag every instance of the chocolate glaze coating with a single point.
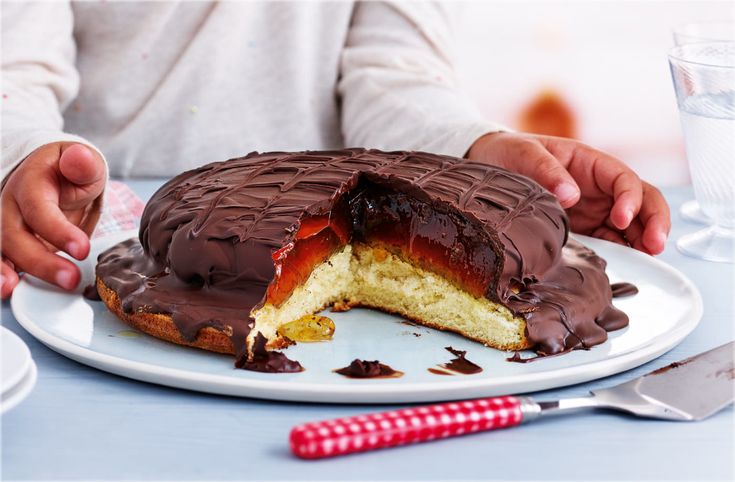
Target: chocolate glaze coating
<point x="208" y="236"/>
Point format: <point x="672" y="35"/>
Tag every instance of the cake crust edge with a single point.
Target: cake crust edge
<point x="162" y="326"/>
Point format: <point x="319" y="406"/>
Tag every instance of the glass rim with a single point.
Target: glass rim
<point x="681" y="27"/>
<point x="675" y="50"/>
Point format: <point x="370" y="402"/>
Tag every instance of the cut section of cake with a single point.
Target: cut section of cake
<point x="231" y="251"/>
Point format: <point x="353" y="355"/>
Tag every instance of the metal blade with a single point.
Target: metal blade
<point x="691" y="389"/>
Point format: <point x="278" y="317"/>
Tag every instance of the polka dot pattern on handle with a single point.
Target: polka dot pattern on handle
<point x="361" y="433"/>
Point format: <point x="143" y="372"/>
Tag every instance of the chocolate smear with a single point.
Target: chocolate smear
<point x="267" y="361"/>
<point x="517" y="358"/>
<point x="90" y="292"/>
<point x="621" y="290"/>
<point x="671" y="366"/>
<point x="460" y="364"/>
<point x="368" y="369"/>
<point x="726" y="373"/>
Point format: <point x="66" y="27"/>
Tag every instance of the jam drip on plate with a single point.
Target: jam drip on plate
<point x="309" y="328"/>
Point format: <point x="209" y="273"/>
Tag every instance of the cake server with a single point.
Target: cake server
<point x="687" y="390"/>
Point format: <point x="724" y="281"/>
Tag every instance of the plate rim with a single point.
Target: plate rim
<point x="19" y="392"/>
<point x="379" y="393"/>
<point x="10" y="383"/>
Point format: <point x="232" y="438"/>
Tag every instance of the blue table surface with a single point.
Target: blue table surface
<point x="82" y="423"/>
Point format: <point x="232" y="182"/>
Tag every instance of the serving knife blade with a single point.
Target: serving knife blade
<point x="686" y="390"/>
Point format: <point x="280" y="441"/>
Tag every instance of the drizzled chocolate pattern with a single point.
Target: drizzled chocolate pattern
<point x="213" y="239"/>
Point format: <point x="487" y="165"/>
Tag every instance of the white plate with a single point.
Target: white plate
<point x="15" y="360"/>
<point x="667" y="308"/>
<point x="20" y="391"/>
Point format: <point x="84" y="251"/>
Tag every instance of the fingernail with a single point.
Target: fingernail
<point x="565" y="192"/>
<point x="65" y="279"/>
<point x="629" y="216"/>
<point x="658" y="244"/>
<point x="73" y="249"/>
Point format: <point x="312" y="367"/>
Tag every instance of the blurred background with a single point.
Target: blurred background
<point x="594" y="70"/>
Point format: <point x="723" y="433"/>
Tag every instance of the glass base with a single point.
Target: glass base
<point x="714" y="243"/>
<point x="690" y="211"/>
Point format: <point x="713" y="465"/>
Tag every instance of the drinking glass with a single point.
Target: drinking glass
<point x="704" y="81"/>
<point x="713" y="31"/>
<point x="696" y="32"/>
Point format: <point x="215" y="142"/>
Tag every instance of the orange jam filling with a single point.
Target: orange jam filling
<point x="308" y="328"/>
<point x="318" y="238"/>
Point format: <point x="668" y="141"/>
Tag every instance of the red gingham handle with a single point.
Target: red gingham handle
<point x="399" y="427"/>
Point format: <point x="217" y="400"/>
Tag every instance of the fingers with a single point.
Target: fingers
<point x="608" y="234"/>
<point x="618" y="207"/>
<point x="627" y="195"/>
<point x="539" y="164"/>
<point x="84" y="173"/>
<point x="29" y="254"/>
<point x="35" y="218"/>
<point x="66" y="180"/>
<point x="634" y="234"/>
<point x="598" y="171"/>
<point x="527" y="155"/>
<point x="39" y="209"/>
<point x="80" y="165"/>
<point x="648" y="232"/>
<point x="655" y="218"/>
<point x="8" y="279"/>
<point x="614" y="178"/>
<point x="638" y="209"/>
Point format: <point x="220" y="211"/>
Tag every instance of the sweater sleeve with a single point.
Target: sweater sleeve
<point x="39" y="78"/>
<point x="398" y="87"/>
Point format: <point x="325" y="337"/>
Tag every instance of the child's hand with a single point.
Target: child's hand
<point x="48" y="204"/>
<point x="603" y="197"/>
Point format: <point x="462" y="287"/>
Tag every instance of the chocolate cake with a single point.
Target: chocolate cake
<point x="232" y="250"/>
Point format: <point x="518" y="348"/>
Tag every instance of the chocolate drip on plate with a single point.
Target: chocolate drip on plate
<point x="263" y="360"/>
<point x="90" y="293"/>
<point x="517" y="358"/>
<point x="368" y="369"/>
<point x="460" y="364"/>
<point x="620" y="290"/>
